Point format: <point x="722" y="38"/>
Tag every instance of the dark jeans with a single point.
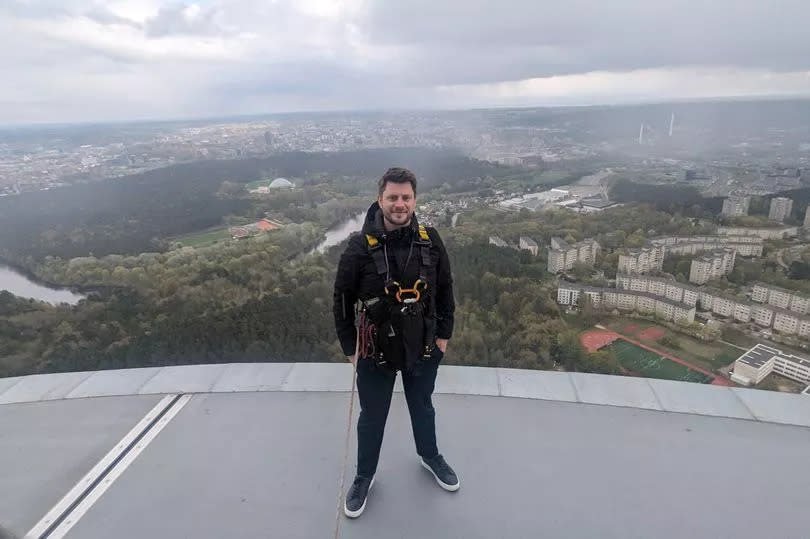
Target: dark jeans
<point x="375" y="386"/>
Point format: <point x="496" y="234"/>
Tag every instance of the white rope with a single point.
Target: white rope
<point x="346" y="441"/>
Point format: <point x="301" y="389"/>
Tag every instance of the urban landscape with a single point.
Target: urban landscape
<point x="539" y="165"/>
<point x="366" y="269"/>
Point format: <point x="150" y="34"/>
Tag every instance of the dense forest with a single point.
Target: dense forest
<point x="141" y="213"/>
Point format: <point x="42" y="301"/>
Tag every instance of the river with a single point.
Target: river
<point x="20" y="285"/>
<point x="341" y="232"/>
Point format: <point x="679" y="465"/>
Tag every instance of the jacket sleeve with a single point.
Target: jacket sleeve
<point x="445" y="303"/>
<point x="344" y="298"/>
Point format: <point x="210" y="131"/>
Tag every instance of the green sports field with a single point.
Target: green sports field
<point x="651" y="365"/>
<point x="205" y="237"/>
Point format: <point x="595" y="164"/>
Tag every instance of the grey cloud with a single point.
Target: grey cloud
<point x="538" y="39"/>
<point x="392" y="54"/>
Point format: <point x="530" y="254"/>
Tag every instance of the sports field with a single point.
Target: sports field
<point x="710" y="356"/>
<point x="651" y="365"/>
<point x="205" y="237"/>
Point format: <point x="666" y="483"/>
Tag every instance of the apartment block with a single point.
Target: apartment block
<point x="528" y="244"/>
<point x="715" y="301"/>
<point x="628" y="300"/>
<point x="734" y="206"/>
<point x="562" y="256"/>
<point x="642" y="260"/>
<point x="769" y="233"/>
<point x="780" y="209"/>
<point x="712" y="266"/>
<point x="781" y="297"/>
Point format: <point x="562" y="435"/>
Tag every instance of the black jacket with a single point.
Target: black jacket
<point x="357" y="276"/>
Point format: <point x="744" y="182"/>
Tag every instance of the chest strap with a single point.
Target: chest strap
<point x="379" y="254"/>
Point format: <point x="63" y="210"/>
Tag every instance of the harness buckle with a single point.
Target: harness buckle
<point x="415" y="292"/>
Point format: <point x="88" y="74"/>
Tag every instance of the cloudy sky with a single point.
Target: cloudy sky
<point x="90" y="60"/>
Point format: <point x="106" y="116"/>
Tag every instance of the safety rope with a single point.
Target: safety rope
<point x="346" y="441"/>
<point x="365" y="336"/>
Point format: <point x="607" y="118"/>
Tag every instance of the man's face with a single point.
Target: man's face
<point x="397" y="202"/>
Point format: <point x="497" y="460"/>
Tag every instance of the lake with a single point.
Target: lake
<point x="20" y="285"/>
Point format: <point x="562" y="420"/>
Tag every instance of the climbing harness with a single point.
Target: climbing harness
<point x="379" y="253"/>
<point x="397" y="302"/>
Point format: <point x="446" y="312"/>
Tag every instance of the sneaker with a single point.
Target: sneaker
<point x="443" y="473"/>
<point x="355" y="502"/>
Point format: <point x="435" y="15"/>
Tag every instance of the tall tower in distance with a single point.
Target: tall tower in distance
<point x="781" y="208"/>
<point x="735" y="206"/>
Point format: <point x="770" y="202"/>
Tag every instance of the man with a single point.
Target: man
<point x="393" y="307"/>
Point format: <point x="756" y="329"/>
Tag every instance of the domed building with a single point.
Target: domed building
<point x="281" y="183"/>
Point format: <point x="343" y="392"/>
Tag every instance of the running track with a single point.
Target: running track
<point x="594" y="339"/>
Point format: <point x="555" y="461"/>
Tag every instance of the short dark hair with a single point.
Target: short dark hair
<point x="397" y="175"/>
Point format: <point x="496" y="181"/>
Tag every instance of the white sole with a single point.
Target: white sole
<point x="355" y="514"/>
<point x="445" y="486"/>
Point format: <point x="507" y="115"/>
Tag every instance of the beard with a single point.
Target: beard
<point x="398" y="219"/>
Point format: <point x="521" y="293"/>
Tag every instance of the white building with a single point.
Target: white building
<point x="781" y="208"/>
<point x="807" y="217"/>
<point x="568" y="295"/>
<point x="734" y="206"/>
<point x="762" y="315"/>
<point x="690" y="245"/>
<point x="528" y="244"/>
<point x="781" y="297"/>
<point x="720" y="239"/>
<point x="718" y="302"/>
<point x="659" y="286"/>
<point x="791" y="323"/>
<point x="497" y="242"/>
<point x="712" y="266"/>
<point x="753" y="366"/>
<point x="775" y="233"/>
<point x="562" y="256"/>
<point x="642" y="260"/>
<point x="627" y="300"/>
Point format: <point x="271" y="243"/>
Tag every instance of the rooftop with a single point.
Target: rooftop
<point x="778" y="288"/>
<point x="635" y="251"/>
<point x="256" y="450"/>
<point x="528" y="241"/>
<point x="627" y="291"/>
<point x="650" y="295"/>
<point x="761" y="354"/>
<point x="669" y="280"/>
<point x="497" y="241"/>
<point x="597" y="202"/>
<point x="725" y="239"/>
